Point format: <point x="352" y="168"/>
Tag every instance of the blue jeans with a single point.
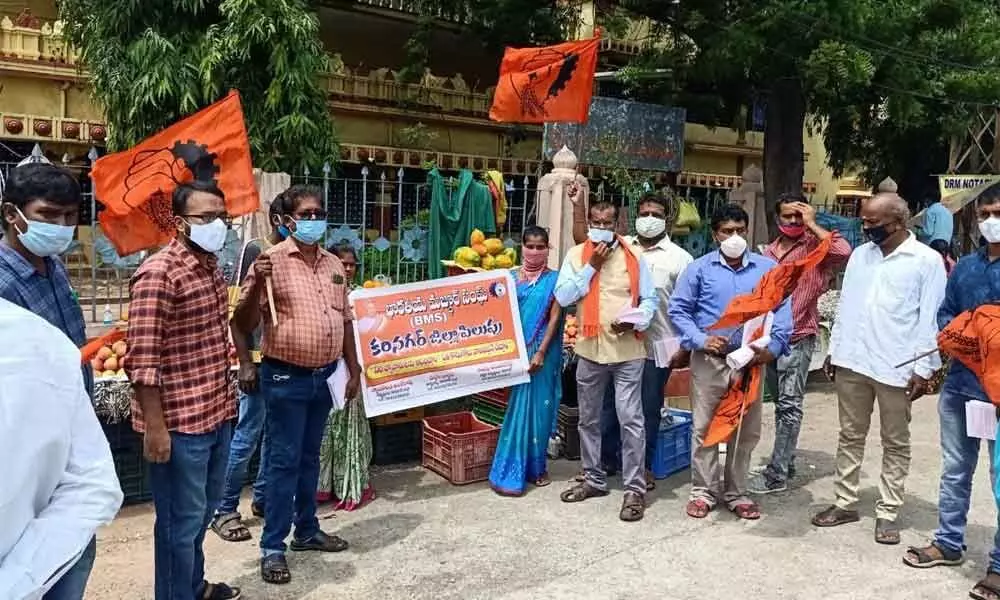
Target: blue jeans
<point x="74" y="582"/>
<point x="186" y="492"/>
<point x="960" y="453"/>
<point x="298" y="404"/>
<point x="246" y="436"/>
<point x="654" y="379"/>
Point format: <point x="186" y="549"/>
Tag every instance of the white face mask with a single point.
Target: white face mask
<point x="599" y="236"/>
<point x="990" y="228"/>
<point x="733" y="246"/>
<point x="650" y="227"/>
<point x="210" y="237"/>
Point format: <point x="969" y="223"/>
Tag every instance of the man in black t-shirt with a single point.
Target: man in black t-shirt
<point x="228" y="522"/>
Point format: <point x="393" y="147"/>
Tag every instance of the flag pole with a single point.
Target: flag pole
<point x="916" y="358"/>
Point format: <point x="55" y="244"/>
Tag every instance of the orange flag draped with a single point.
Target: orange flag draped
<point x="776" y="285"/>
<point x="135" y="186"/>
<point x="972" y="338"/>
<point x="553" y="83"/>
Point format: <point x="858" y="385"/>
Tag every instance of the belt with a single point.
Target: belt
<point x="285" y="366"/>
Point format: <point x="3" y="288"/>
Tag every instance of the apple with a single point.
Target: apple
<point x="97" y="365"/>
<point x="119" y="348"/>
<point x="111" y="364"/>
<point x="105" y="353"/>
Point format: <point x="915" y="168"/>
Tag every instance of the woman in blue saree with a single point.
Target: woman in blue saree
<point x="532" y="409"/>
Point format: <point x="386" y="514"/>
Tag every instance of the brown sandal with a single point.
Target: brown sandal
<point x="834" y="516"/>
<point x="633" y="508"/>
<point x="698" y="509"/>
<point x="748" y="511"/>
<point x="230" y="528"/>
<point x="581" y="492"/>
<point x="886" y="532"/>
<point x="987" y="588"/>
<point x="931" y="555"/>
<point x="542" y="480"/>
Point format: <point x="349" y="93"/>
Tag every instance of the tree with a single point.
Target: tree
<point x="870" y="75"/>
<point x="152" y="62"/>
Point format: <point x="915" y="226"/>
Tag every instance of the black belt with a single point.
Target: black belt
<point x="285" y="366"/>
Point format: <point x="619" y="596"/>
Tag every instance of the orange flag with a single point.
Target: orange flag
<point x="776" y="285"/>
<point x="972" y="338"/>
<point x="135" y="186"/>
<point x="553" y="83"/>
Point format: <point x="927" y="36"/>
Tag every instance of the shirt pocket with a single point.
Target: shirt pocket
<point x="896" y="293"/>
<point x="337" y="296"/>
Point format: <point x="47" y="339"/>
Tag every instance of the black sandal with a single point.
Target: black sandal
<point x="220" y="591"/>
<point x="987" y="588"/>
<point x="257" y="509"/>
<point x="274" y="569"/>
<point x="923" y="558"/>
<point x="321" y="542"/>
<point x="230" y="528"/>
<point x="581" y="492"/>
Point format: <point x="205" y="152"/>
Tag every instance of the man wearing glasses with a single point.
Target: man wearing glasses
<point x="300" y="351"/>
<point x="178" y="363"/>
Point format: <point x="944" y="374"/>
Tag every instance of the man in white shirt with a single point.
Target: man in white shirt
<point x="892" y="289"/>
<point x="666" y="262"/>
<point x="62" y="485"/>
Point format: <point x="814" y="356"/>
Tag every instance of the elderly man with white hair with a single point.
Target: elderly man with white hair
<point x="893" y="287"/>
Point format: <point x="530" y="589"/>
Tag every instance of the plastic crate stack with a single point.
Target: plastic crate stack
<point x="459" y="447"/>
<point x="130" y="464"/>
<point x="673" y="445"/>
<point x="396" y="437"/>
<point x="490" y="407"/>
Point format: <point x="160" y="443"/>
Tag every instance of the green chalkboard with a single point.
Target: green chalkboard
<point x="623" y="133"/>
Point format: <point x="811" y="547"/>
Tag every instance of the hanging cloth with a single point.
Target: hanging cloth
<point x="454" y="214"/>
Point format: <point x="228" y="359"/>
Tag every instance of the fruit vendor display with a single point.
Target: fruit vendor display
<point x="483" y="254"/>
<point x="110" y="360"/>
<point x="569" y="331"/>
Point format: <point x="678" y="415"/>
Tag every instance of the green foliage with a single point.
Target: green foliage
<point x="154" y="61"/>
<point x="876" y="76"/>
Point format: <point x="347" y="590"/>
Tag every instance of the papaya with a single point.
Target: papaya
<point x="493" y="246"/>
<point x="477" y="237"/>
<point x="480" y="249"/>
<point x="488" y="262"/>
<point x="466" y="257"/>
<point x="503" y="262"/>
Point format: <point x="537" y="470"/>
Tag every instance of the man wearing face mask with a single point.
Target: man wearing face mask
<point x="974" y="281"/>
<point x="300" y="351"/>
<point x="40" y="209"/>
<point x="228" y="523"/>
<point x="178" y="363"/>
<point x="799" y="235"/>
<point x="893" y="287"/>
<point x="616" y="299"/>
<point x="703" y="291"/>
<point x="666" y="261"/>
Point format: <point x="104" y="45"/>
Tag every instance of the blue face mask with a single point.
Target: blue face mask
<point x="309" y="232"/>
<point x="283" y="232"/>
<point x="45" y="239"/>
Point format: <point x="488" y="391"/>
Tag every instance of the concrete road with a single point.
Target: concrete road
<point x="423" y="538"/>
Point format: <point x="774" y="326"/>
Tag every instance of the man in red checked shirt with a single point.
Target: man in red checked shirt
<point x="178" y="363"/>
<point x="799" y="236"/>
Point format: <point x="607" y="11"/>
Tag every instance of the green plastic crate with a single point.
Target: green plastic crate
<point x="488" y="413"/>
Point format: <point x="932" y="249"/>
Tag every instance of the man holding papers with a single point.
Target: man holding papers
<point x="613" y="288"/>
<point x="666" y="261"/>
<point x="975" y="281"/>
<point x="701" y="295"/>
<point x="301" y="346"/>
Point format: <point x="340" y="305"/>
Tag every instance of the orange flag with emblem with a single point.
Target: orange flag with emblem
<point x="745" y="388"/>
<point x="135" y="186"/>
<point x="549" y="84"/>
<point x="972" y="338"/>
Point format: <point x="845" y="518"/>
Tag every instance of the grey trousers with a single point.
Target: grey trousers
<point x="592" y="380"/>
<point x="709" y="381"/>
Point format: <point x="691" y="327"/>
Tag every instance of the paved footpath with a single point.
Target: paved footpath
<point x="423" y="538"/>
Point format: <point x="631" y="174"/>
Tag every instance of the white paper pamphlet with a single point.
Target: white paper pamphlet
<point x="337" y="382"/>
<point x="980" y="420"/>
<point x="631" y="314"/>
<point x="741" y="357"/>
<point x="664" y="351"/>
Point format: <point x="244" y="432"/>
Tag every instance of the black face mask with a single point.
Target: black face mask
<point x="877" y="234"/>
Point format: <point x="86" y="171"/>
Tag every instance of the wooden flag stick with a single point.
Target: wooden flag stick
<point x="270" y="301"/>
<point x="915" y="358"/>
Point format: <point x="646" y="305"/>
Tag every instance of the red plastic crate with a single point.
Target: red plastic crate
<point x="459" y="447"/>
<point x="500" y="396"/>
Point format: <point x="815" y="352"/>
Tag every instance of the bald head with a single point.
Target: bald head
<point x="890" y="206"/>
